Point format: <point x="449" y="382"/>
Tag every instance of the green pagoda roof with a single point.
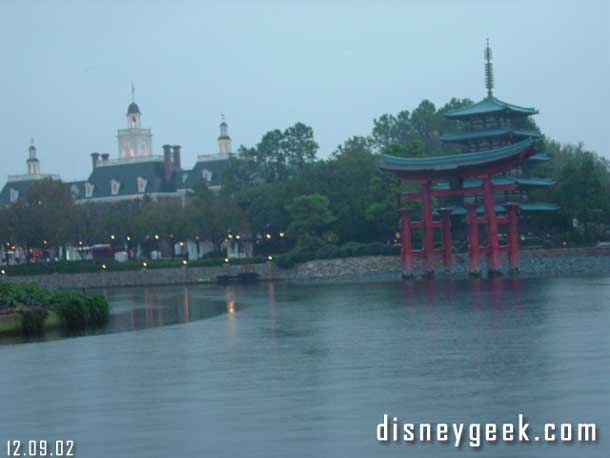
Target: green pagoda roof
<point x="488" y="105"/>
<point x="539" y="207"/>
<point x="490" y="133"/>
<point x="540" y="157"/>
<point x="534" y="181"/>
<point x="458" y="210"/>
<point x="476" y="182"/>
<point x="453" y="161"/>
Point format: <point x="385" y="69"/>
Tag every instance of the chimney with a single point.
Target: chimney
<point x="177" y="162"/>
<point x="95" y="158"/>
<point x="167" y="162"/>
<point x="105" y="157"/>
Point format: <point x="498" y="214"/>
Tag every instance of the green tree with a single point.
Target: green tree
<point x="213" y="215"/>
<point x="310" y="216"/>
<point x="278" y="154"/>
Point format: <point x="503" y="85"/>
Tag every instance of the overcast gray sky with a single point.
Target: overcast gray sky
<point x="335" y="65"/>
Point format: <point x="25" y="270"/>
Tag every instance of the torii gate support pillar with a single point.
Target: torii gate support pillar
<point x="512" y="233"/>
<point x="474" y="248"/>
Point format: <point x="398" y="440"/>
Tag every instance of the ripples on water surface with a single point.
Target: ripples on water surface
<point x="282" y="370"/>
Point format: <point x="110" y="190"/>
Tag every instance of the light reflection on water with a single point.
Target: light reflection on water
<point x="283" y="370"/>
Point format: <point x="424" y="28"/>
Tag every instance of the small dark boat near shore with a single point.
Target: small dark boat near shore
<point x="244" y="277"/>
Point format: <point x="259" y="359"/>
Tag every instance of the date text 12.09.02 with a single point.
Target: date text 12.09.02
<point x="40" y="448"/>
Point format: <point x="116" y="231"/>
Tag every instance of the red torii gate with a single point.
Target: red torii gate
<point x="455" y="168"/>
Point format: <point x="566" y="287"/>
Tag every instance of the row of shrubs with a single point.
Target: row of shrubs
<point x="313" y="248"/>
<point x="69" y="267"/>
<point x="77" y="310"/>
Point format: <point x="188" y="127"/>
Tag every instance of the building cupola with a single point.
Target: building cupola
<point x="224" y="141"/>
<point x="133" y="111"/>
<point x="32" y="163"/>
<point x="134" y="141"/>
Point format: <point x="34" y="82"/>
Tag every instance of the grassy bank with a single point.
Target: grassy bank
<point x="29" y="309"/>
<point x="76" y="267"/>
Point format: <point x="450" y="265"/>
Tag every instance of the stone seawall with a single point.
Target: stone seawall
<point x="534" y="263"/>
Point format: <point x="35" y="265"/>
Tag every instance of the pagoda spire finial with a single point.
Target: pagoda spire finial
<point x="133" y="90"/>
<point x="489" y="70"/>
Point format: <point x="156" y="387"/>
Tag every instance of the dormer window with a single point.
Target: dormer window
<point x="89" y="190"/>
<point x="185" y="177"/>
<point x="142" y="184"/>
<point x="74" y="189"/>
<point x="14" y="195"/>
<point x="206" y="175"/>
<point x="115" y="186"/>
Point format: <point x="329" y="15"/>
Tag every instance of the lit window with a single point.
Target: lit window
<point x="206" y="175"/>
<point x="89" y="189"/>
<point x="115" y="186"/>
<point x="142" y="184"/>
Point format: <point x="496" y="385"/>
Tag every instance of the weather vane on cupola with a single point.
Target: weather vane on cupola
<point x="489" y="71"/>
<point x="133" y="90"/>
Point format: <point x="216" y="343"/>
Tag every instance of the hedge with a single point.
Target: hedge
<point x="327" y="251"/>
<point x="71" y="267"/>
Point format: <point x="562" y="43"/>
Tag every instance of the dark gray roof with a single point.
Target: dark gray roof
<point x="211" y="171"/>
<point x="133" y="108"/>
<point x="21" y="186"/>
<point x="127" y="174"/>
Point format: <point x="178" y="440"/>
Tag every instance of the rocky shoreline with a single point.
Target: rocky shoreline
<point x="567" y="262"/>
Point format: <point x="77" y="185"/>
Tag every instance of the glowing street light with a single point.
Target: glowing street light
<point x="282" y="234"/>
<point x="226" y="259"/>
<point x="156" y="237"/>
<point x="184" y="262"/>
<point x="3" y="272"/>
<point x="112" y="237"/>
<point x="104" y="266"/>
<point x="270" y="258"/>
<point x="268" y="236"/>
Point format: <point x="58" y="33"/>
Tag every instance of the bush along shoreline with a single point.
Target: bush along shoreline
<point x="29" y="309"/>
<point x="110" y="265"/>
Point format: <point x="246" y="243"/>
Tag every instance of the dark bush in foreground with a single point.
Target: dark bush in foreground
<point x="80" y="311"/>
<point x="16" y="295"/>
<point x="32" y="322"/>
<point x="76" y="309"/>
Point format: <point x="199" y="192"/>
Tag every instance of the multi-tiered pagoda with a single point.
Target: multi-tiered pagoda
<point x="483" y="181"/>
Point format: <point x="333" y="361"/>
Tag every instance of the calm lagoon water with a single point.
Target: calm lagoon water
<point x="285" y="370"/>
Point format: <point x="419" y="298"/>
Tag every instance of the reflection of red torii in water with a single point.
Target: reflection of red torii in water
<point x="456" y="168"/>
